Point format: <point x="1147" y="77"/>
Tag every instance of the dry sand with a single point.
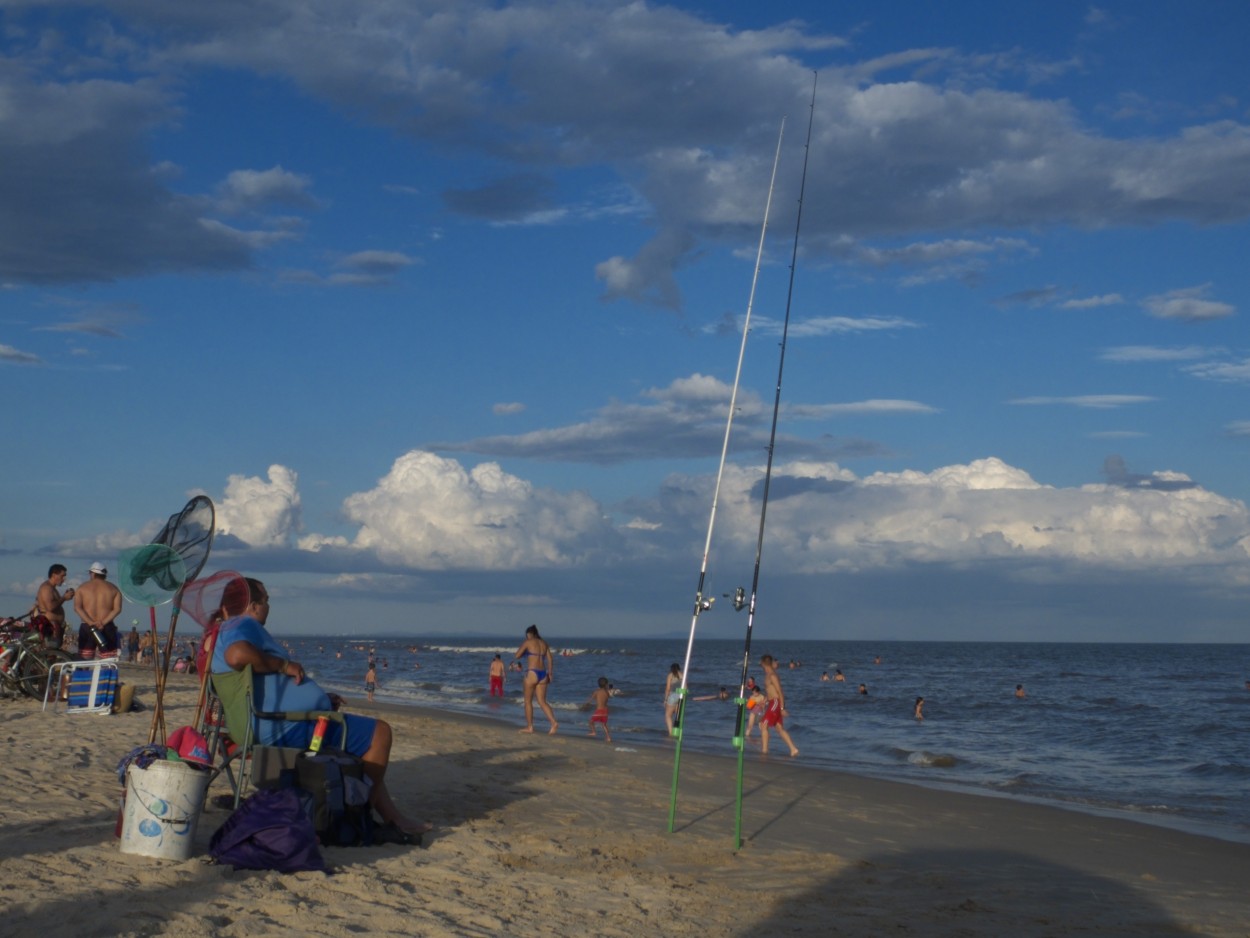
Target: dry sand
<point x="567" y="836"/>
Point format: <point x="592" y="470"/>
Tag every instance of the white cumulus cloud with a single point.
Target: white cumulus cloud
<point x="986" y="511"/>
<point x="430" y="512"/>
<point x="261" y="513"/>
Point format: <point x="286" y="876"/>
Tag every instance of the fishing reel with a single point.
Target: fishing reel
<point x="740" y="599"/>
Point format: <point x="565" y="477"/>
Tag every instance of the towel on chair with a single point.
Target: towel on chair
<point x="80" y="688"/>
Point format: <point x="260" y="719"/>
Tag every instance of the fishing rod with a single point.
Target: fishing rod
<point x="701" y="604"/>
<point x="738" y="740"/>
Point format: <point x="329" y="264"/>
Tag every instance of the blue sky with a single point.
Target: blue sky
<point x="441" y="303"/>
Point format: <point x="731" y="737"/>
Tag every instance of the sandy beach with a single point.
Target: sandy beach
<point x="567" y="836"/>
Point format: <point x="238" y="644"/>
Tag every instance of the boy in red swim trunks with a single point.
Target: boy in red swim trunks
<point x="600" y="699"/>
<point x="496" y="677"/>
<point x="775" y="711"/>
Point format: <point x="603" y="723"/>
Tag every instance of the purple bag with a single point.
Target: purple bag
<point x="269" y="831"/>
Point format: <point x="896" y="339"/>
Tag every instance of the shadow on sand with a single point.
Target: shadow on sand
<point x="505" y="773"/>
<point x="989" y="893"/>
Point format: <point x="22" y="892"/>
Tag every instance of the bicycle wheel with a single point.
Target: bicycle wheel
<point x="9" y="686"/>
<point x="32" y="673"/>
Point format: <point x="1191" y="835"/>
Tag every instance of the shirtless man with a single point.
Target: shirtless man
<point x="50" y="604"/>
<point x="775" y="711"/>
<point x="97" y="602"/>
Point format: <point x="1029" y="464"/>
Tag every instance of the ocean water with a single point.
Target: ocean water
<point x="1155" y="733"/>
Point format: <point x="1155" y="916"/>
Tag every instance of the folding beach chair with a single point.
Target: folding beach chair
<point x="222" y="750"/>
<point x="259" y="765"/>
<point x="92" y="685"/>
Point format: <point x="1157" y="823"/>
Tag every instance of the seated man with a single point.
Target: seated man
<point x="242" y="641"/>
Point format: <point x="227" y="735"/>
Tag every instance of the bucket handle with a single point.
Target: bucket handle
<point x="184" y="822"/>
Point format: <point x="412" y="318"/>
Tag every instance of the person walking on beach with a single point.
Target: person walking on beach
<point x="496" y="677"/>
<point x="98" y="603"/>
<point x="600" y="715"/>
<point x="775" y="709"/>
<point x="672" y="695"/>
<point x="539" y="667"/>
<point x="371" y="681"/>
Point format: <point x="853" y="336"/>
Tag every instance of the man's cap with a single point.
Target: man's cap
<point x="98" y="567"/>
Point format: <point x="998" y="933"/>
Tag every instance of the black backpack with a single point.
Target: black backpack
<point x="338" y="805"/>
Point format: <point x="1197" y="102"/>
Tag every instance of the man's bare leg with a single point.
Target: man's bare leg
<point x="794" y="750"/>
<point x="375" y="761"/>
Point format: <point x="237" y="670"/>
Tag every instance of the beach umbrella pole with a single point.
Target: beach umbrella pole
<point x="702" y="604"/>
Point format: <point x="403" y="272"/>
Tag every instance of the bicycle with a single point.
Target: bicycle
<point x="25" y="660"/>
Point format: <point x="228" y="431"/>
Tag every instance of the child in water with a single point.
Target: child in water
<point x="756" y="702"/>
<point x="600" y="715"/>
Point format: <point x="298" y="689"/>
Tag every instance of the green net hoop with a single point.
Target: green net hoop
<point x="151" y="574"/>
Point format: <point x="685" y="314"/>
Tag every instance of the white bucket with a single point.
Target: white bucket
<point x="162" y="809"/>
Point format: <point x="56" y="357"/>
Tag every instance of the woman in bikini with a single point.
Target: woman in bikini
<point x="538" y="668"/>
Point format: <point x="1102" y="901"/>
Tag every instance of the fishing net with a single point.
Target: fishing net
<point x="190" y="533"/>
<point x="210" y="602"/>
<point x="216" y="598"/>
<point x="151" y="574"/>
